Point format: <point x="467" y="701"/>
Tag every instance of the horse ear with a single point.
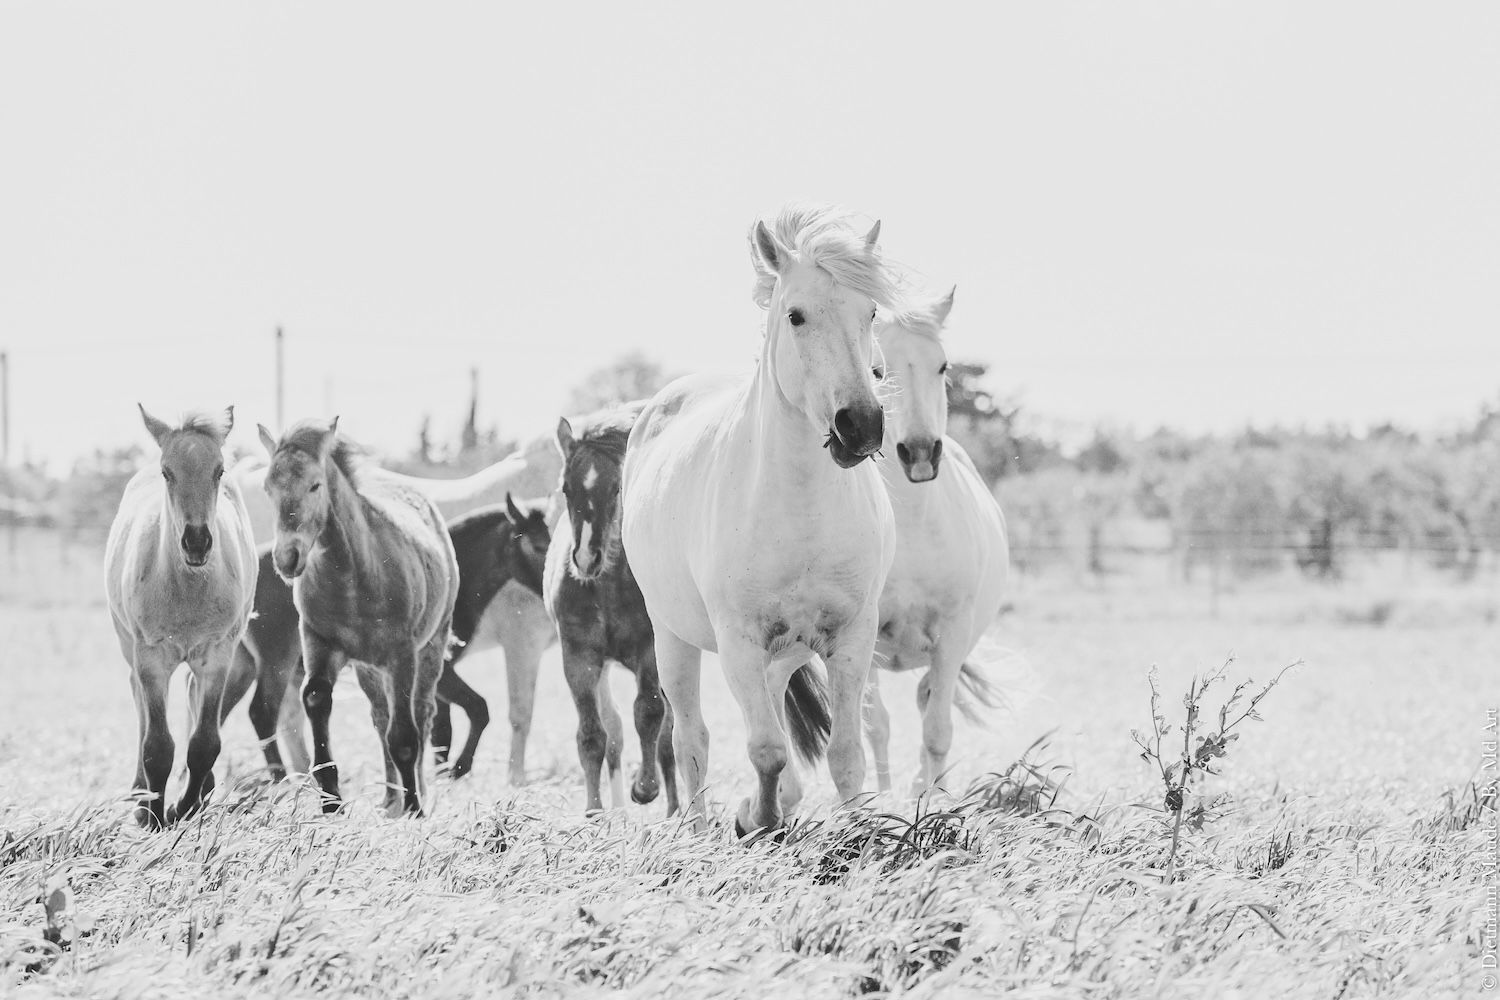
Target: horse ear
<point x="516" y="517"/>
<point x="564" y="437"/>
<point x="770" y="252"/>
<point x="944" y="306"/>
<point x="228" y="420"/>
<point x="873" y="236"/>
<point x="267" y="440"/>
<point x="158" y="428"/>
<point x="331" y="438"/>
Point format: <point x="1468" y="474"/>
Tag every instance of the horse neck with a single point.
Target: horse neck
<point x="344" y="533"/>
<point x="785" y="435"/>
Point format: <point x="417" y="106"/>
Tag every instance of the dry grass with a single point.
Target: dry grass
<point x="1350" y="862"/>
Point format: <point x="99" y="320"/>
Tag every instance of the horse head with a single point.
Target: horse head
<point x="192" y="463"/>
<point x="298" y="483"/>
<point x="916" y="363"/>
<point x="592" y="463"/>
<point x="820" y="283"/>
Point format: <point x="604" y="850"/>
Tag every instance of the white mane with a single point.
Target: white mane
<point x="824" y="236"/>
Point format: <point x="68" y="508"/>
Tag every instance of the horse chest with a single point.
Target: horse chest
<point x="608" y="614"/>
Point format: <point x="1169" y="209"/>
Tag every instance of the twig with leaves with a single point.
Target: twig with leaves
<point x="1199" y="749"/>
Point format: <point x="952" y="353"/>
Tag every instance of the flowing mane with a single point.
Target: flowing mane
<point x="825" y="236"/>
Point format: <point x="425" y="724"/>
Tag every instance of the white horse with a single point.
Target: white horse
<point x="753" y="524"/>
<point x="515" y="620"/>
<point x="952" y="558"/>
<point x="180" y="571"/>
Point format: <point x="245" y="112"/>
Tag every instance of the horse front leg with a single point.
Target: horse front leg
<point x="746" y="668"/>
<point x="431" y="661"/>
<point x="848" y="673"/>
<point x="937" y="712"/>
<point x="523" y="662"/>
<point x="649" y="711"/>
<point x="322" y="661"/>
<point x="290" y="716"/>
<point x="210" y="674"/>
<point x="403" y="738"/>
<point x="614" y="738"/>
<point x="878" y="730"/>
<point x="583" y="667"/>
<point x="679" y="666"/>
<point x="372" y="681"/>
<point x="150" y="677"/>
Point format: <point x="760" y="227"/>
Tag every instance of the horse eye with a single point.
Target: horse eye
<point x="315" y="487"/>
<point x="944" y="369"/>
<point x="167" y="475"/>
<point x="218" y="473"/>
<point x="796" y="317"/>
<point x="878" y="372"/>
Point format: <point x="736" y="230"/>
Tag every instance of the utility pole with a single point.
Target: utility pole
<point x="280" y="383"/>
<point x="4" y="410"/>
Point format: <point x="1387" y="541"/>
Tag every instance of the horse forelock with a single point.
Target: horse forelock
<point x="214" y="425"/>
<point x="825" y="236"/>
<point x="921" y="320"/>
<point x="307" y="436"/>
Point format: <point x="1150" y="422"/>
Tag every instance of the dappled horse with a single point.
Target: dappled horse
<point x="494" y="546"/>
<point x="375" y="581"/>
<point x="180" y="578"/>
<point x="515" y="621"/>
<point x="753" y="523"/>
<point x="600" y="615"/>
<point x="952" y="559"/>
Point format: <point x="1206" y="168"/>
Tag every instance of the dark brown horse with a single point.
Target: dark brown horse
<point x="601" y="616"/>
<point x="494" y="545"/>
<point x="375" y="583"/>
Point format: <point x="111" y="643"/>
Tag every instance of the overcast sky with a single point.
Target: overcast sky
<point x="1201" y="214"/>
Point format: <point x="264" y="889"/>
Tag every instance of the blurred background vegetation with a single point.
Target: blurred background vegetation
<point x="1197" y="507"/>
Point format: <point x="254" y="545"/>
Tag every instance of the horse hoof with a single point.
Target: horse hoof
<point x="331" y="805"/>
<point x="461" y="767"/>
<point x="146" y="819"/>
<point x="643" y="796"/>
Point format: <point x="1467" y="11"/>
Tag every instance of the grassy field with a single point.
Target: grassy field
<point x="1351" y="861"/>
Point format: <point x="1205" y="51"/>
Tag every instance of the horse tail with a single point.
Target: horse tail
<point x="807" y="713"/>
<point x="973" y="686"/>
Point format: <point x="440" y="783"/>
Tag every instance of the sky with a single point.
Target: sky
<point x="1198" y="214"/>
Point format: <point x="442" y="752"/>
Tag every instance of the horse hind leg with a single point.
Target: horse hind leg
<point x="149" y="680"/>
<point x="453" y="688"/>
<point x="265" y="705"/>
<point x="667" y="759"/>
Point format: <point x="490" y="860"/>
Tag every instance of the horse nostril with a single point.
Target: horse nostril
<point x="844" y="426"/>
<point x="903" y="452"/>
<point x="937" y="450"/>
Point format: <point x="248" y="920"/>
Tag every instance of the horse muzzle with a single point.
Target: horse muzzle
<point x="856" y="434"/>
<point x="197" y="542"/>
<point x="920" y="459"/>
<point x="289" y="562"/>
<point x="586" y="561"/>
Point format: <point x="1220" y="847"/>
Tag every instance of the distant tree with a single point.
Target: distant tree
<point x="631" y="376"/>
<point x="1329" y="495"/>
<point x="991" y="431"/>
<point x="92" y="493"/>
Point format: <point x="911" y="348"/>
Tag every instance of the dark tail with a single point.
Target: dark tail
<point x="972" y="686"/>
<point x="807" y="713"/>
